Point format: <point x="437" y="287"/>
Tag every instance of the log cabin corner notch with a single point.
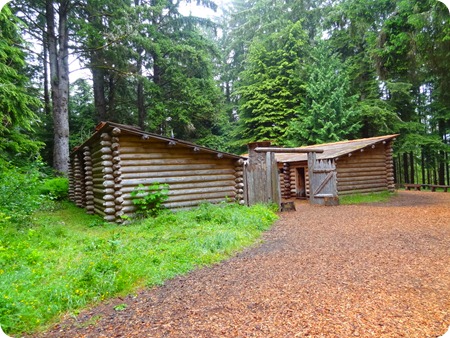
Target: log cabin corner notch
<point x="105" y="169"/>
<point x="362" y="166"/>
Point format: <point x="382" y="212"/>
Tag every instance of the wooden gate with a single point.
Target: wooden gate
<point x="261" y="179"/>
<point x="322" y="181"/>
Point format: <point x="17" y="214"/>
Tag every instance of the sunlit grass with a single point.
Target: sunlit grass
<point x="383" y="196"/>
<point x="69" y="259"/>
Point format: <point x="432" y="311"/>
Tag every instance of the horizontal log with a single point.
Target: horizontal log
<point x="381" y="164"/>
<point x="101" y="151"/>
<point x="191" y="204"/>
<point x="362" y="191"/>
<point x="127" y="162"/>
<point x="221" y="191"/>
<point x="105" y="136"/>
<point x="99" y="211"/>
<point x="177" y="205"/>
<point x="361" y="186"/>
<point x="360" y="178"/>
<point x="110" y="218"/>
<point x="288" y="150"/>
<point x="181" y="179"/>
<point x="148" y="154"/>
<point x="191" y="185"/>
<point x="173" y="167"/>
<point x="369" y="171"/>
<point x="365" y="156"/>
<point x="184" y="174"/>
<point x="198" y="198"/>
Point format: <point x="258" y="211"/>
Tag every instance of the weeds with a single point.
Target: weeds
<point x="383" y="196"/>
<point x="68" y="260"/>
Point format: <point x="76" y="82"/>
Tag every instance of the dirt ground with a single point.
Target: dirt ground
<point x="379" y="270"/>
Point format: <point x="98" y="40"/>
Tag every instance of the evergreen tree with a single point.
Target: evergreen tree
<point x="270" y="89"/>
<point x="17" y="117"/>
<point x="328" y="111"/>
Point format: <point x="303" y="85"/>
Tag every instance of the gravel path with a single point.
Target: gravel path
<point x="379" y="270"/>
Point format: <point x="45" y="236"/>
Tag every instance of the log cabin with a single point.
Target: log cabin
<point x="106" y="168"/>
<point x="362" y="166"/>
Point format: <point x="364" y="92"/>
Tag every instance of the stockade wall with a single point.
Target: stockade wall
<point x="369" y="170"/>
<point x="103" y="173"/>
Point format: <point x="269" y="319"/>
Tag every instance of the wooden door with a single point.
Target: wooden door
<point x="322" y="181"/>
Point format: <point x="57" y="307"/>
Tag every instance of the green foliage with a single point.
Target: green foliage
<point x="379" y="197"/>
<point x="270" y="89"/>
<point x="19" y="193"/>
<point x="149" y="200"/>
<point x="328" y="111"/>
<point x="56" y="188"/>
<point x="17" y="105"/>
<point x="41" y="278"/>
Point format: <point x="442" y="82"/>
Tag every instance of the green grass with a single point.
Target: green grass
<point x="383" y="196"/>
<point x="69" y="260"/>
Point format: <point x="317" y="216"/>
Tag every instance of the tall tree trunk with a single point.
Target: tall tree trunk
<point x="47" y="103"/>
<point x="405" y="168"/>
<point x="422" y="158"/>
<point x="142" y="114"/>
<point x="59" y="73"/>
<point x="98" y="82"/>
<point x="411" y="163"/>
<point x="97" y="62"/>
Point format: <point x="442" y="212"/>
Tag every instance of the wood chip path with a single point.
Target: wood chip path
<point x="379" y="270"/>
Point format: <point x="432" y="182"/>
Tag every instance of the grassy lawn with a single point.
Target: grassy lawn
<point x="68" y="260"/>
<point x="383" y="196"/>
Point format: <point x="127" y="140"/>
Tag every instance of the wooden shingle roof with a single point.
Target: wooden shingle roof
<point x="335" y="149"/>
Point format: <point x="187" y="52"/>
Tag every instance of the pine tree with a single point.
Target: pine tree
<point x="328" y="112"/>
<point x="270" y="89"/>
<point x="17" y="106"/>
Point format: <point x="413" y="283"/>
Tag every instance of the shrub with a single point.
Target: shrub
<point x="56" y="188"/>
<point x="149" y="200"/>
<point x="19" y="193"/>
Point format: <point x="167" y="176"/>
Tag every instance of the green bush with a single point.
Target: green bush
<point x="19" y="193"/>
<point x="149" y="200"/>
<point x="56" y="188"/>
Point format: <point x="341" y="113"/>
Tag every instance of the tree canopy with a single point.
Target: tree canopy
<point x="295" y="73"/>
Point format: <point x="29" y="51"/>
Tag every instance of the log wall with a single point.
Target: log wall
<point x="107" y="169"/>
<point x="365" y="171"/>
<point x="193" y="176"/>
<point x="370" y="170"/>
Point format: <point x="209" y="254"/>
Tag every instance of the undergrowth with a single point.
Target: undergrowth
<point x="383" y="196"/>
<point x="68" y="260"/>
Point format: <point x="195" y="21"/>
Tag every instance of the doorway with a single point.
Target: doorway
<point x="300" y="188"/>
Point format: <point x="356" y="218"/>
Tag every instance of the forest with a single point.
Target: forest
<point x="294" y="72"/>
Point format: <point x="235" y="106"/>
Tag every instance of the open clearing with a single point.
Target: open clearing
<point x="374" y="270"/>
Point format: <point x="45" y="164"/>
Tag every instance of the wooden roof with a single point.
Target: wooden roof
<point x="334" y="150"/>
<point x="107" y="126"/>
